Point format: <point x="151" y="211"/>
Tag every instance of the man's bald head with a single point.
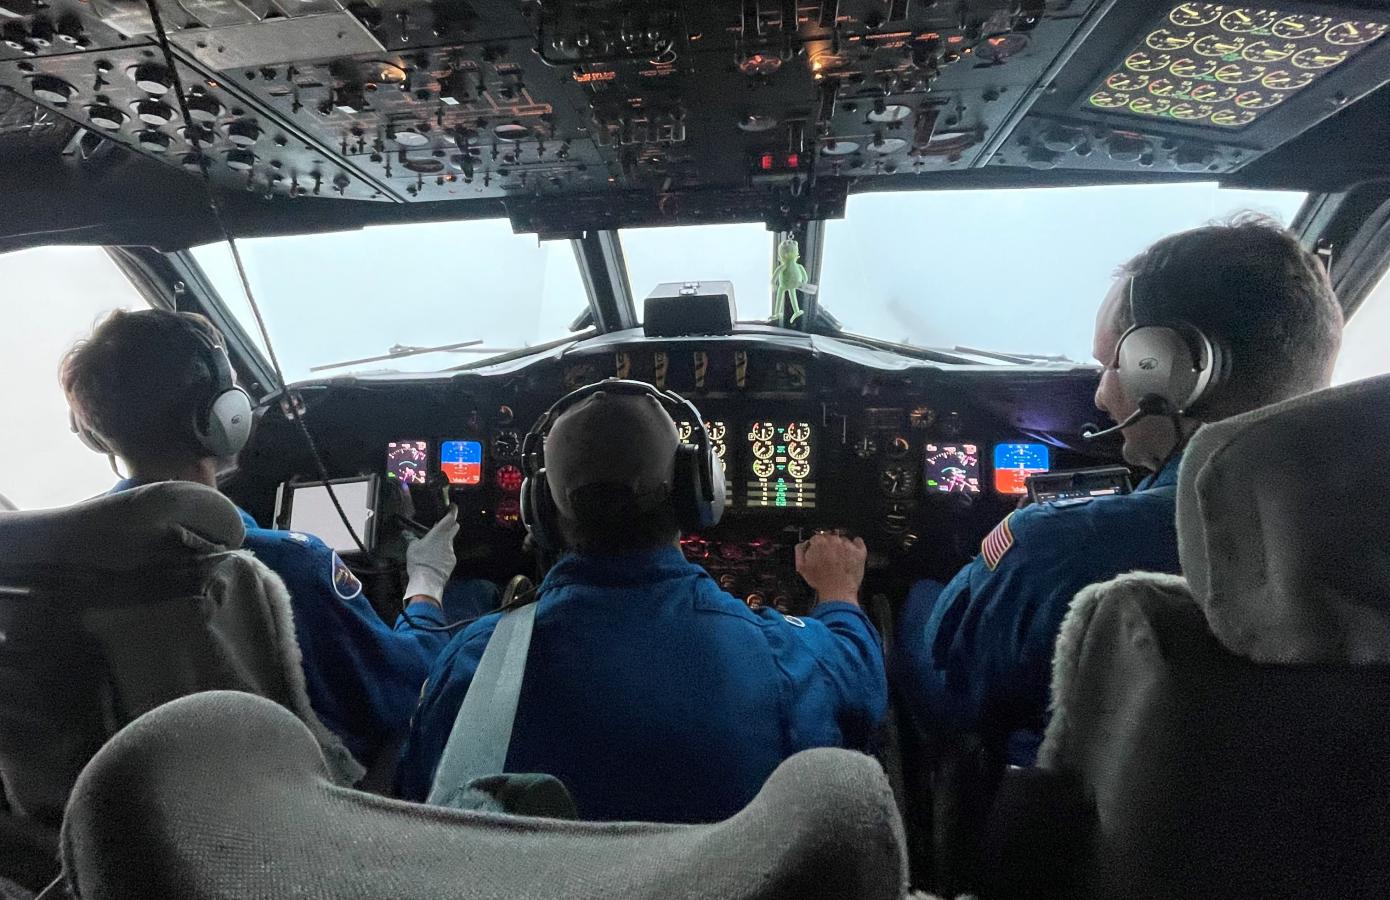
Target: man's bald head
<point x="610" y="465"/>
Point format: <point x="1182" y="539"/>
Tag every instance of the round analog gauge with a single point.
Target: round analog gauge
<point x="1233" y="118"/>
<point x="1109" y="100"/>
<point x="1143" y="61"/>
<point x="717" y="431"/>
<point x="798" y="449"/>
<point x="1214" y="93"/>
<point x="1259" y="100"/>
<point x="506" y="444"/>
<point x="1163" y="39"/>
<point x="762" y="431"/>
<point x="798" y="469"/>
<point x="1219" y="45"/>
<point x="1292" y="28"/>
<point x="1241" y="73"/>
<point x="1267" y="51"/>
<point x="896" y="481"/>
<point x="798" y="431"/>
<point x="1190" y="112"/>
<point x="1244" y="21"/>
<point x="762" y="449"/>
<point x="1127" y="81"/>
<point x="1317" y="58"/>
<point x="1187" y="67"/>
<point x="1150" y="106"/>
<point x="1167" y="87"/>
<point x="1194" y="15"/>
<point x="1349" y="34"/>
<point x="1283" y="80"/>
<point x="763" y="468"/>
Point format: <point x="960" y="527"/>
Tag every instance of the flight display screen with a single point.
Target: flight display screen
<point x="780" y="466"/>
<point x="1014" y="463"/>
<point x="462" y="462"/>
<point x="1227" y="64"/>
<point x="407" y="461"/>
<point x="952" y="468"/>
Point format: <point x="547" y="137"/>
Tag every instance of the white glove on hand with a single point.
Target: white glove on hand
<point x="430" y="560"/>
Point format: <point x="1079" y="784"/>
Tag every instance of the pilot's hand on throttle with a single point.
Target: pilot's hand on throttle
<point x="430" y="560"/>
<point x="833" y="566"/>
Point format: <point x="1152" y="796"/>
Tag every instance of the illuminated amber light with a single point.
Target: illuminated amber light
<point x="1226" y="64"/>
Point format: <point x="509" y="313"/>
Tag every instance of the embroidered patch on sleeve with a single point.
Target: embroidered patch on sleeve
<point x="997" y="543"/>
<point x="345" y="584"/>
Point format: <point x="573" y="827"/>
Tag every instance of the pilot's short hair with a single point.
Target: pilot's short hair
<point x="138" y="379"/>
<point x="1249" y="285"/>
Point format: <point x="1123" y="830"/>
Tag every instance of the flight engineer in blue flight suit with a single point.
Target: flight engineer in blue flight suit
<point x="136" y="383"/>
<point x="975" y="656"/>
<point x="649" y="692"/>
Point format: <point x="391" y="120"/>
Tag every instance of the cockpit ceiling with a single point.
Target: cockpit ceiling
<point x="595" y="113"/>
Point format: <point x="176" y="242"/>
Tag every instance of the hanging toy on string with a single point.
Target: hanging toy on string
<point x="788" y="277"/>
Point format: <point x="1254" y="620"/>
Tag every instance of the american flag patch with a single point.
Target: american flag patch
<point x="997" y="543"/>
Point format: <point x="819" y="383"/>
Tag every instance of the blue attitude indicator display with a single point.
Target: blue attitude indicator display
<point x="1013" y="463"/>
<point x="462" y="462"/>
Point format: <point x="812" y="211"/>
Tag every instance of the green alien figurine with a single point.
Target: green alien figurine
<point x="788" y="277"/>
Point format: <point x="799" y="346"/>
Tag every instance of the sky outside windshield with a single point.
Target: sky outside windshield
<point x="1017" y="271"/>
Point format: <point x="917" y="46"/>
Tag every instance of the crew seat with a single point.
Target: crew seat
<point x="1229" y="734"/>
<point x="226" y="795"/>
<point x="110" y="608"/>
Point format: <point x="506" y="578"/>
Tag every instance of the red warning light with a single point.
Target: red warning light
<point x="793" y="160"/>
<point x="765" y="163"/>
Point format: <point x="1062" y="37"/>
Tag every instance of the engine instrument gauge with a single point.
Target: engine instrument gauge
<point x="1127" y="81"/>
<point x="1195" y="15"/>
<point x="1188" y="67"/>
<point x="1293" y="28"/>
<point x="1144" y="61"/>
<point x="1233" y="118"/>
<point x="1109" y="100"/>
<point x="897" y="482"/>
<point x="1259" y="100"/>
<point x="1284" y="80"/>
<point x="1317" y="58"/>
<point x="1245" y="20"/>
<point x="781" y="467"/>
<point x="1150" y="106"/>
<point x="1190" y="112"/>
<point x="1214" y="93"/>
<point x="1267" y="51"/>
<point x="1219" y="45"/>
<point x="1241" y="73"/>
<point x="1163" y="39"/>
<point x="1351" y="34"/>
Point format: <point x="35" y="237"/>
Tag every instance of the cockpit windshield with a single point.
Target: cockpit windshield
<point x="740" y="253"/>
<point x="371" y="300"/>
<point x="1014" y="271"/>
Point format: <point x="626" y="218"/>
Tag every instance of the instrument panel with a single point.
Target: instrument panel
<point x="920" y="462"/>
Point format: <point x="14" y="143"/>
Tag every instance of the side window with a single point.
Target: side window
<point x="1363" y="343"/>
<point x="49" y="298"/>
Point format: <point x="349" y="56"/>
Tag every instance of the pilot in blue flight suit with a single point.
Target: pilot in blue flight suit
<point x="155" y="388"/>
<point x="649" y="692"/>
<point x="1249" y="318"/>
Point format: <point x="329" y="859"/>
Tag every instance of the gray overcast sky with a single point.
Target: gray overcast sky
<point x="1010" y="270"/>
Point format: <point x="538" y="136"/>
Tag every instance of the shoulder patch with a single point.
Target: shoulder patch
<point x="345" y="584"/>
<point x="1074" y="501"/>
<point x="297" y="536"/>
<point x="793" y="620"/>
<point x="997" y="543"/>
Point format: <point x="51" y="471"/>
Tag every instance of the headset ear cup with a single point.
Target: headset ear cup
<point x="90" y="439"/>
<point x="1159" y="361"/>
<point x="226" y="425"/>
<point x="538" y="513"/>
<point x="697" y="493"/>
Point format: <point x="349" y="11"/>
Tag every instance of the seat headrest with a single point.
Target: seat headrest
<point x="121" y="532"/>
<point x="1281" y="527"/>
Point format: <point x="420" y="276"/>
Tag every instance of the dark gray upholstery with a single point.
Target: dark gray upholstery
<point x="226" y="795"/>
<point x="109" y="608"/>
<point x="1232" y="730"/>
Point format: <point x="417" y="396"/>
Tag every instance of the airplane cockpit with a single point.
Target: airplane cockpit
<point x="867" y="240"/>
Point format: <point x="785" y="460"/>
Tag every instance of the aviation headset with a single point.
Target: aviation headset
<point x="697" y="490"/>
<point x="1168" y="366"/>
<point x="221" y="424"/>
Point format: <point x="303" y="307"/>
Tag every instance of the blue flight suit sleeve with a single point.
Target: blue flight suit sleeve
<point x="976" y="655"/>
<point x="440" y="701"/>
<point x="363" y="677"/>
<point x="835" y="691"/>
